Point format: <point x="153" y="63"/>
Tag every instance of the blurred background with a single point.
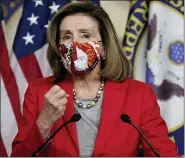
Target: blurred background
<point x="152" y="36"/>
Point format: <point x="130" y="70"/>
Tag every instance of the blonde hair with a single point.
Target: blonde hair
<point x="115" y="67"/>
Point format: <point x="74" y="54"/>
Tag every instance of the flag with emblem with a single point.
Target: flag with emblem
<point x="26" y="62"/>
<point x="135" y="38"/>
<point x="165" y="64"/>
<point x="154" y="43"/>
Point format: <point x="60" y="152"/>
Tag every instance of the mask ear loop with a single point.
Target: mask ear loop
<point x="102" y="57"/>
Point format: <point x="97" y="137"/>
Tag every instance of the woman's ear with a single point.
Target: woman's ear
<point x="102" y="51"/>
<point x="102" y="55"/>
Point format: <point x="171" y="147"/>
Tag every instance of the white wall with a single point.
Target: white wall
<point x="118" y="12"/>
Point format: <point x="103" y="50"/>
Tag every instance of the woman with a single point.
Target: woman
<point x="91" y="77"/>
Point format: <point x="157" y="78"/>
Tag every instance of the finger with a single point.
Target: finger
<point x="60" y="94"/>
<point x="62" y="102"/>
<point x="48" y="93"/>
<point x="57" y="96"/>
<point x="59" y="103"/>
<point x="55" y="89"/>
<point x="66" y="95"/>
<point x="52" y="90"/>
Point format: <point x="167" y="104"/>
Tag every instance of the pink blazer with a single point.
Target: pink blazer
<point x="114" y="138"/>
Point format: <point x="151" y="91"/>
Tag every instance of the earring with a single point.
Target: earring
<point x="103" y="57"/>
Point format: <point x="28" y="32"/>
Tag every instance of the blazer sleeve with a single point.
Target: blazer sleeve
<point x="28" y="138"/>
<point x="154" y="127"/>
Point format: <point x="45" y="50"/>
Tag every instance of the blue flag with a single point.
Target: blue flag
<point x="135" y="36"/>
<point x="154" y="43"/>
<point x="165" y="64"/>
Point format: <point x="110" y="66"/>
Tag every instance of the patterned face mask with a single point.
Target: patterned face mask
<point x="80" y="58"/>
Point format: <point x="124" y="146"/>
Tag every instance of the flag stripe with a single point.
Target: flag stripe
<point x="9" y="78"/>
<point x="28" y="64"/>
<point x="10" y="103"/>
<point x="3" y="152"/>
<point x="42" y="61"/>
<point x="19" y="76"/>
<point x="8" y="130"/>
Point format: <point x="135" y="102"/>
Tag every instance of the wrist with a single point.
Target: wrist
<point x="44" y="127"/>
<point x="43" y="123"/>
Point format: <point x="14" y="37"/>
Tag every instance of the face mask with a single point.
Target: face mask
<point x="80" y="58"/>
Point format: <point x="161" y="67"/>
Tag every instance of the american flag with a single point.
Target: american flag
<point x="25" y="63"/>
<point x="6" y="71"/>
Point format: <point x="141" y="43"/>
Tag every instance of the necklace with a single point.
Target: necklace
<point x="95" y="100"/>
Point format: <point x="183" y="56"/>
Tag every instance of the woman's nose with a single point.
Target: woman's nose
<point x="76" y="39"/>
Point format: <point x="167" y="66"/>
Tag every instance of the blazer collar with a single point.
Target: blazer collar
<point x="113" y="100"/>
<point x="114" y="94"/>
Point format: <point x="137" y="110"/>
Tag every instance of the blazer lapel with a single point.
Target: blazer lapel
<point x="114" y="95"/>
<point x="71" y="127"/>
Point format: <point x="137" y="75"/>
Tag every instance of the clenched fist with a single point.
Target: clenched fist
<point x="54" y="107"/>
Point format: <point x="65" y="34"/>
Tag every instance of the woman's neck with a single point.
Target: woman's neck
<point x="87" y="86"/>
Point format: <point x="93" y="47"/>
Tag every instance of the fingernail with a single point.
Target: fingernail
<point x="67" y="95"/>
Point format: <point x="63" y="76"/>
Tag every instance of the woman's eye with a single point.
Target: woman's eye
<point x="66" y="37"/>
<point x="86" y="36"/>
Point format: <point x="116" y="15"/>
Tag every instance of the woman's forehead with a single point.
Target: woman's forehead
<point x="79" y="21"/>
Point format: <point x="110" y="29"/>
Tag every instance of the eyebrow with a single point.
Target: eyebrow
<point x="83" y="30"/>
<point x="80" y="30"/>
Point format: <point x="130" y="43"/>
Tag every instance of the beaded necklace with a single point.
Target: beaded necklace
<point x="95" y="100"/>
